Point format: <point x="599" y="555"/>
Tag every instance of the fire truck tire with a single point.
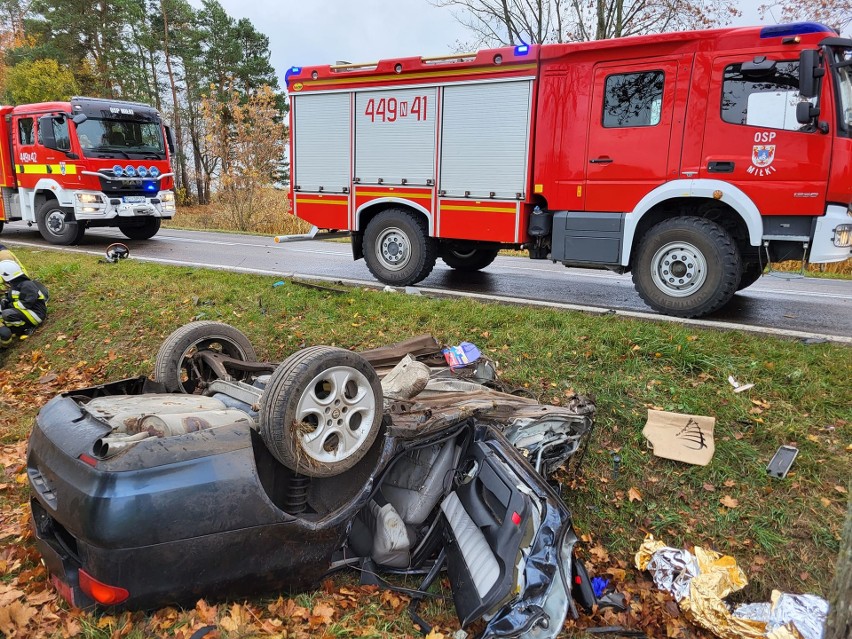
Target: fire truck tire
<point x="398" y="249"/>
<point x="751" y="273"/>
<point x="321" y="411"/>
<point x="57" y="224"/>
<point x="687" y="267"/>
<point x="465" y="256"/>
<point x="143" y="229"/>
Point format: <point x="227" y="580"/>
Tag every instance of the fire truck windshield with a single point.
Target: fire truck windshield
<point x="108" y="138"/>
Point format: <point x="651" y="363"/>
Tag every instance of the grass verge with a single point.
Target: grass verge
<point x="107" y="321"/>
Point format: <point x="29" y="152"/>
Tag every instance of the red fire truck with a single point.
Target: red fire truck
<point x="68" y="166"/>
<point x="691" y="159"/>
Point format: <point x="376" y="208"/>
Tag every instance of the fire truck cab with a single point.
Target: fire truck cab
<point x="68" y="166"/>
<point x="690" y="159"/>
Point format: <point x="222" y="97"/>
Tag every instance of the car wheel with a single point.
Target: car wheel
<point x="145" y="231"/>
<point x="751" y="273"/>
<point x="398" y="249"/>
<point x="321" y="411"/>
<point x="179" y="371"/>
<point x="57" y="224"/>
<point x="687" y="267"/>
<point x="465" y="256"/>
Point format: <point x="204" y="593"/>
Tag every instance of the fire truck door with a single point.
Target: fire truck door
<point x="630" y="132"/>
<point x="752" y="138"/>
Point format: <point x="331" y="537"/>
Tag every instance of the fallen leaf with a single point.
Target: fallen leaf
<point x="324" y="612"/>
<point x="709" y="487"/>
<point x="840" y="489"/>
<point x="825" y="502"/>
<point x="633" y="494"/>
<point x="730" y="483"/>
<point x="729" y="502"/>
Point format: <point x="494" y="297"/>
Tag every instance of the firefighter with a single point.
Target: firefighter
<point x="23" y="307"/>
<point x="6" y="254"/>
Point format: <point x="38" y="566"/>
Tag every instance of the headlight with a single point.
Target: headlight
<point x="129" y="171"/>
<point x="142" y="171"/>
<point x="117" y="170"/>
<point x="167" y="196"/>
<point x="89" y="198"/>
<point x="843" y="235"/>
<point x="153" y="171"/>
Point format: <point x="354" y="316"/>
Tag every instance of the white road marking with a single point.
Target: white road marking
<point x="594" y="310"/>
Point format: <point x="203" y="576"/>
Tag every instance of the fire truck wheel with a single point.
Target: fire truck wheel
<point x="321" y="411"/>
<point x="398" y="249"/>
<point x="57" y="224"/>
<point x="687" y="267"/>
<point x="144" y="229"/>
<point x="751" y="273"/>
<point x="465" y="256"/>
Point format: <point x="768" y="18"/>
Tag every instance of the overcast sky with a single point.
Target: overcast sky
<point x="308" y="32"/>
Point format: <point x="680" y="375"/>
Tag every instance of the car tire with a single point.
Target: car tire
<point x="145" y="231"/>
<point x="751" y="273"/>
<point x="173" y="366"/>
<point x="321" y="411"/>
<point x="398" y="249"/>
<point x="57" y="224"/>
<point x="687" y="267"/>
<point x="466" y="256"/>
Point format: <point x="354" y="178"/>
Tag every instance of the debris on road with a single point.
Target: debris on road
<point x="700" y="581"/>
<point x="738" y="388"/>
<point x="685" y="438"/>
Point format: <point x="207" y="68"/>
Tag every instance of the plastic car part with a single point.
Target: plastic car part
<point x="321" y="411"/>
<point x="180" y="365"/>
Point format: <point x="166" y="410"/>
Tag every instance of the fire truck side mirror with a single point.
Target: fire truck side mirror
<point x="45" y="132"/>
<point x="810" y="70"/>
<point x="806" y="113"/>
<point x="79" y="118"/>
<point x="170" y="139"/>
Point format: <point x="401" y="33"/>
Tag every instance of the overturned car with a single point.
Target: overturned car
<point x="226" y="476"/>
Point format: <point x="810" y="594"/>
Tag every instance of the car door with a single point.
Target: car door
<point x="752" y="138"/>
<point x="508" y="542"/>
<point x="630" y="131"/>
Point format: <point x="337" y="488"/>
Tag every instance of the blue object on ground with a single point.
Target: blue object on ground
<point x="279" y="283"/>
<point x="599" y="585"/>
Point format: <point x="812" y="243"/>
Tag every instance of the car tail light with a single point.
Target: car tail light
<point x="87" y="459"/>
<point x="101" y="592"/>
<point x="63" y="589"/>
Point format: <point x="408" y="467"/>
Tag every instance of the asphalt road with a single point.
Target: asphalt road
<point x="783" y="303"/>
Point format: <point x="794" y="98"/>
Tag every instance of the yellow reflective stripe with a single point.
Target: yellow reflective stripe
<point x="318" y="201"/>
<point x="403" y="194"/>
<point x="32" y="317"/>
<point x="489" y="209"/>
<point x="46" y="169"/>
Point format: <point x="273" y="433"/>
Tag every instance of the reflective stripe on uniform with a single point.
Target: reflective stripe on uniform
<point x="32" y="317"/>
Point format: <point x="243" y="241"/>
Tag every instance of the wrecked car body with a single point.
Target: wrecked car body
<point x="227" y="476"/>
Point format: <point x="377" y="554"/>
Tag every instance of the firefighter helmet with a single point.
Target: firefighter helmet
<point x="10" y="270"/>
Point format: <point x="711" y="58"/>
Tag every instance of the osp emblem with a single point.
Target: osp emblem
<point x="763" y="155"/>
<point x="298" y="86"/>
<point x="62" y="168"/>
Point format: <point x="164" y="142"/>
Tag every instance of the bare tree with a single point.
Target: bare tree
<point x="836" y="13"/>
<point x="511" y="22"/>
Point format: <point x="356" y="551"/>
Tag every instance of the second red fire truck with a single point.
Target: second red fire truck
<point x="69" y="166"/>
<point x="691" y="159"/>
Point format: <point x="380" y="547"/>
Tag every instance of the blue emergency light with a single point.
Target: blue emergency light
<point x="522" y="49"/>
<point x="794" y="29"/>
